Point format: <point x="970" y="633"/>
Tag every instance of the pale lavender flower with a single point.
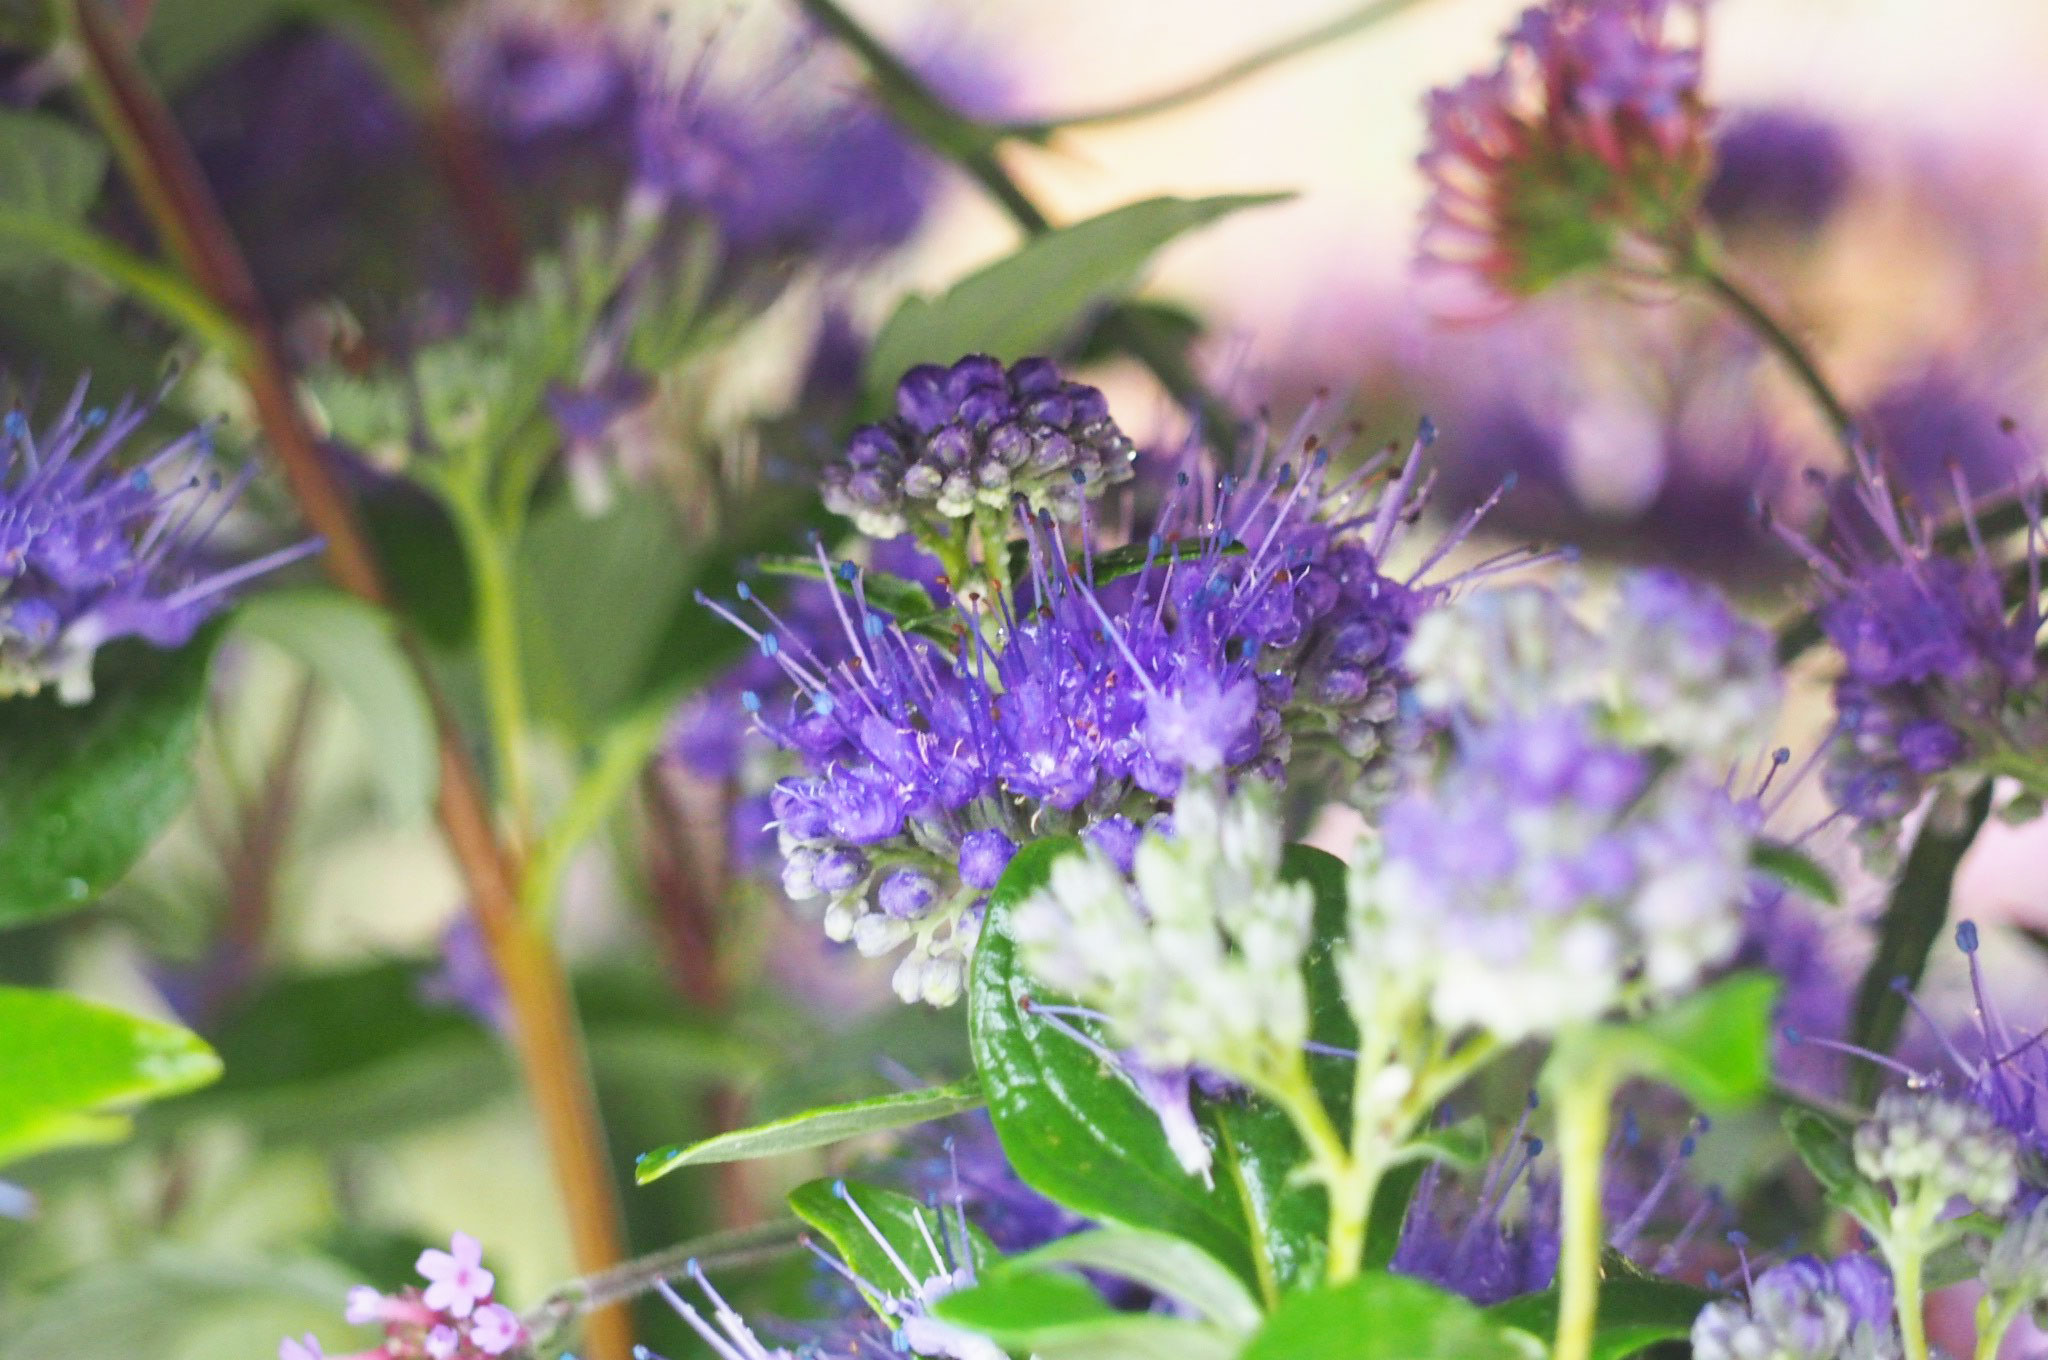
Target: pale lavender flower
<point x="1805" y="1309"/>
<point x="456" y="1278"/>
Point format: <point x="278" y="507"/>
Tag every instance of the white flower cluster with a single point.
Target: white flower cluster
<point x="1196" y="961"/>
<point x="1927" y="1146"/>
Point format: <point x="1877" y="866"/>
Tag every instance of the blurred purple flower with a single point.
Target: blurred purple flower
<point x="466" y="979"/>
<point x="1779" y="169"/>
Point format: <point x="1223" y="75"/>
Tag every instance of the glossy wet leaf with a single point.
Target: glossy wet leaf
<point x="816" y="1128"/>
<point x="1379" y="1317"/>
<point x="70" y="1069"/>
<point x="85" y="788"/>
<point x="1024" y="302"/>
<point x="1075" y="1130"/>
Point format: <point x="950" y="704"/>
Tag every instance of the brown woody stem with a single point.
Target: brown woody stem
<point x="166" y="179"/>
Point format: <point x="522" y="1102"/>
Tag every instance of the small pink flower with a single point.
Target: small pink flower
<point x="365" y="1306"/>
<point x="306" y="1348"/>
<point x="457" y="1280"/>
<point x="495" y="1329"/>
<point x="443" y="1342"/>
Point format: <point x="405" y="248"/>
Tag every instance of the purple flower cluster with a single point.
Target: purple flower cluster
<point x="1806" y="1308"/>
<point x="1499" y="1238"/>
<point x="1590" y="136"/>
<point x="92" y="551"/>
<point x="1939" y="669"/>
<point x="974" y="437"/>
<point x="1259" y="617"/>
<point x="1777" y="169"/>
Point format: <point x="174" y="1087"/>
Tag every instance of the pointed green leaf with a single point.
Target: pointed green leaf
<point x="1024" y="302"/>
<point x="816" y="1128"/>
<point x="1714" y="1045"/>
<point x="70" y="1068"/>
<point x="888" y="1238"/>
<point x="1796" y="871"/>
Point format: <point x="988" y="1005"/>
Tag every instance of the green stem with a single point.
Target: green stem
<point x="1343" y="26"/>
<point x="1584" y="1109"/>
<point x="621" y="757"/>
<point x="1330" y="1163"/>
<point x="1994" y="1323"/>
<point x="498" y="647"/>
<point x="1909" y="1290"/>
<point x="161" y="290"/>
<point x="1781" y="341"/>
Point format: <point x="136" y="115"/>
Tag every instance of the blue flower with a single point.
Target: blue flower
<point x="91" y="551"/>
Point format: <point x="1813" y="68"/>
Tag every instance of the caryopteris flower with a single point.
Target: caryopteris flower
<point x="1932" y="1148"/>
<point x="1570" y="850"/>
<point x="455" y="1317"/>
<point x="1586" y="146"/>
<point x="976" y="436"/>
<point x="1194" y="959"/>
<point x="92" y="550"/>
<point x="1940" y="676"/>
<point x="1805" y="1309"/>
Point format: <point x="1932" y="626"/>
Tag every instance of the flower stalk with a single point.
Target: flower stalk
<point x="166" y="179"/>
<point x="1584" y="1110"/>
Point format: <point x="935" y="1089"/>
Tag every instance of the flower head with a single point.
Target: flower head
<point x="92" y="551"/>
<point x="1938" y="666"/>
<point x="1570" y="849"/>
<point x="976" y="436"/>
<point x="1933" y="1148"/>
<point x="1805" y="1309"/>
<point x="456" y="1278"/>
<point x="1779" y="169"/>
<point x="1588" y="143"/>
<point x="1198" y="957"/>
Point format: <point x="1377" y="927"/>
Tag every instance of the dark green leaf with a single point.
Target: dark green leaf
<point x="1075" y="1130"/>
<point x="1165" y="1265"/>
<point x="424" y="564"/>
<point x="816" y="1128"/>
<point x="1825" y="1148"/>
<point x="85" y="789"/>
<point x="880" y="1234"/>
<point x="1389" y="1211"/>
<point x="1795" y="871"/>
<point x="350" y="1056"/>
<point x="353" y="647"/>
<point x="1172" y="325"/>
<point x="1379" y="1317"/>
<point x="1912" y="923"/>
<point x="1636" y="1311"/>
<point x="1024" y="302"/>
<point x="1714" y="1045"/>
<point x="67" y="1067"/>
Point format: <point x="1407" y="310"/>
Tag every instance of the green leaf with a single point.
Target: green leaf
<point x="353" y="647"/>
<point x="816" y="1128"/>
<point x="1796" y="871"/>
<point x="1165" y="1265"/>
<point x="1714" y="1045"/>
<point x="905" y="601"/>
<point x="1026" y="301"/>
<point x="1074" y="1130"/>
<point x="907" y="1233"/>
<point x="85" y="789"/>
<point x="352" y="1056"/>
<point x="1379" y="1317"/>
<point x="1054" y="1317"/>
<point x="423" y="560"/>
<point x="66" y="1066"/>
<point x="1825" y="1145"/>
<point x="49" y="167"/>
<point x="1636" y="1311"/>
<point x="1912" y="923"/>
